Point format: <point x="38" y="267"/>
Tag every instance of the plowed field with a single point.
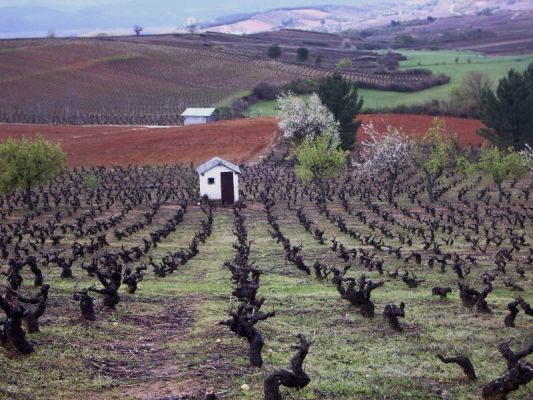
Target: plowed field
<point x="237" y="141"/>
<point x="417" y="125"/>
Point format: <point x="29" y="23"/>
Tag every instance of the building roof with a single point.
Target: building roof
<point x="198" y="112"/>
<point x="213" y="163"/>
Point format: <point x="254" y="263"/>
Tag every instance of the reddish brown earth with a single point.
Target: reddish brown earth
<point x="417" y="125"/>
<point x="237" y="141"/>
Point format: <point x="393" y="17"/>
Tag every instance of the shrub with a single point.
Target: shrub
<point x="344" y="63"/>
<point x="302" y="54"/>
<point x="265" y="91"/>
<point x="274" y="51"/>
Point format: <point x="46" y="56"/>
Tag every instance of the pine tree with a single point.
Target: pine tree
<point x="340" y="96"/>
<point x="509" y="112"/>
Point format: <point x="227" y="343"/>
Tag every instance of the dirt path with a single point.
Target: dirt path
<point x="144" y="360"/>
<point x="175" y="353"/>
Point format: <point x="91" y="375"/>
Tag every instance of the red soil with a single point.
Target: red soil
<point x="416" y="126"/>
<point x="237" y="141"/>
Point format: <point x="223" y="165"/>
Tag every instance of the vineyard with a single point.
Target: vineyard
<point x="99" y="82"/>
<point x="151" y="81"/>
<point x="121" y="284"/>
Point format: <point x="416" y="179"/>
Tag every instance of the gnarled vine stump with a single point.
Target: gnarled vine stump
<point x="297" y="378"/>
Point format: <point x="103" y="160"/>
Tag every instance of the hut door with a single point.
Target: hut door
<point x="226" y="181"/>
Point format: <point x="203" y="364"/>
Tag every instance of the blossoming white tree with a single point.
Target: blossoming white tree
<point x="387" y="154"/>
<point x="527" y="153"/>
<point x="299" y="120"/>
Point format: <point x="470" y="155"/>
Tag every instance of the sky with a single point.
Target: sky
<point x="72" y="4"/>
<point x="233" y="6"/>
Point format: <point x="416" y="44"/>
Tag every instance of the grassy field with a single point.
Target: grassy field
<point x="440" y="62"/>
<point x="165" y="340"/>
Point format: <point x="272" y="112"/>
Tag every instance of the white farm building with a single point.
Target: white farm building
<point x="195" y="116"/>
<point x="219" y="180"/>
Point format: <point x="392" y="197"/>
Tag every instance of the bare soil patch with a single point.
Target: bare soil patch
<point x="238" y="141"/>
<point x="416" y="126"/>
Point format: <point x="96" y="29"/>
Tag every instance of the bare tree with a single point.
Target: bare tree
<point x="473" y="84"/>
<point x="138" y="29"/>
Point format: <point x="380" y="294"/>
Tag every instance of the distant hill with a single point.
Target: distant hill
<point x="338" y="18"/>
<point x="231" y="16"/>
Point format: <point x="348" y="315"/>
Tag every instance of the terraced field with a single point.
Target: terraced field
<point x="91" y="81"/>
<point x="149" y="80"/>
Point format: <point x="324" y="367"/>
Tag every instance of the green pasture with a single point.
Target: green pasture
<point x="440" y="62"/>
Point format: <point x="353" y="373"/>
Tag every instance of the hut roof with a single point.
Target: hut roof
<point x="213" y="163"/>
<point x="198" y="112"/>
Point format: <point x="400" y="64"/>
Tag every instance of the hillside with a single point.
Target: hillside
<point x="91" y="81"/>
<point x="490" y="32"/>
<point x="338" y="18"/>
<point x="36" y="18"/>
<point x="152" y="79"/>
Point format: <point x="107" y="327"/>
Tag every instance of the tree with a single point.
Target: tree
<point x="341" y="98"/>
<point x="92" y="181"/>
<point x="274" y="51"/>
<point x="387" y="154"/>
<point x="436" y="154"/>
<point x="191" y="28"/>
<point x="265" y="91"/>
<point x="466" y="97"/>
<point x="25" y="164"/>
<point x="302" y="54"/>
<point x="473" y="84"/>
<point x="344" y="63"/>
<point x="298" y="119"/>
<point x="346" y="43"/>
<point x="404" y="38"/>
<point x="509" y="112"/>
<point x="527" y="154"/>
<point x="138" y="29"/>
<point x="319" y="159"/>
<point x="501" y="165"/>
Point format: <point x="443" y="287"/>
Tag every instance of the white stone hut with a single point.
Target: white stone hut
<point x="195" y="116"/>
<point x="219" y="180"/>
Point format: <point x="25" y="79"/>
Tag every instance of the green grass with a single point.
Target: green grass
<point x="440" y="62"/>
<point x="350" y="358"/>
<point x="230" y="99"/>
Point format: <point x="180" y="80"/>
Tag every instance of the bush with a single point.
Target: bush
<point x="274" y="51"/>
<point x="404" y="38"/>
<point x="344" y="63"/>
<point x="265" y="91"/>
<point x="225" y="113"/>
<point x="302" y="54"/>
<point x="91" y="181"/>
<point x="302" y="86"/>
